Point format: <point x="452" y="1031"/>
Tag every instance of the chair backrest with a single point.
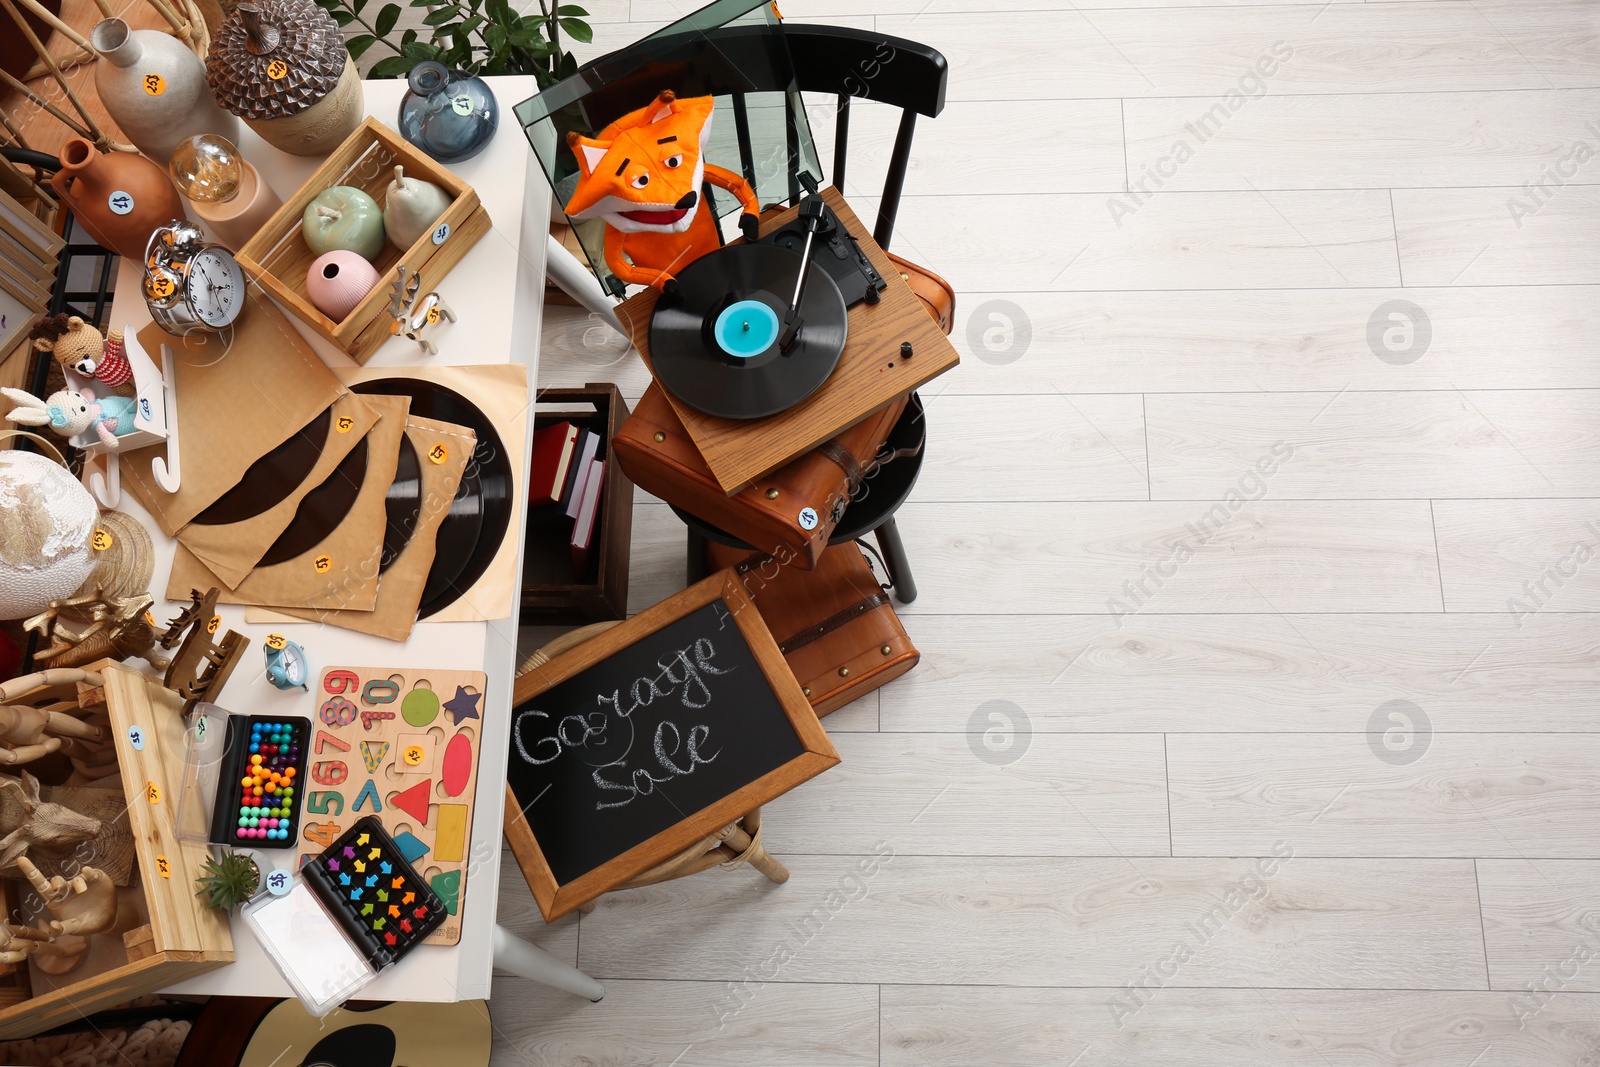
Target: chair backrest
<point x="851" y="63"/>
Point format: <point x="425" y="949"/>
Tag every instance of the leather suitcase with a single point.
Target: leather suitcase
<point x="788" y="514"/>
<point x="834" y="624"/>
<point x="934" y="292"/>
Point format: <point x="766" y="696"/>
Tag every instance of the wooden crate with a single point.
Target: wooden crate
<point x="278" y="256"/>
<point x="551" y="593"/>
<point x="183" y="937"/>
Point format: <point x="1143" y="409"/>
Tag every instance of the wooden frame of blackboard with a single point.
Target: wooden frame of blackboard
<point x="556" y="899"/>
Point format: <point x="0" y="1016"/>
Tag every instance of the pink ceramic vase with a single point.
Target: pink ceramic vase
<point x="339" y="280"/>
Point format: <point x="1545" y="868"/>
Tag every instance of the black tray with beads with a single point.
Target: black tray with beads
<point x="275" y="823"/>
<point x="375" y="895"/>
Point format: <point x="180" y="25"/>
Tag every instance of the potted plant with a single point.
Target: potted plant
<point x="230" y="880"/>
<point x="482" y="37"/>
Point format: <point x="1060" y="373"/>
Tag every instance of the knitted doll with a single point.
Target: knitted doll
<point x="78" y="346"/>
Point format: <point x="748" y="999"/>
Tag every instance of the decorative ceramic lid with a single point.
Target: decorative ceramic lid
<point x="274" y="58"/>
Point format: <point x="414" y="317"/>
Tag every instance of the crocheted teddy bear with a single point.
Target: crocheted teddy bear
<point x="78" y="346"/>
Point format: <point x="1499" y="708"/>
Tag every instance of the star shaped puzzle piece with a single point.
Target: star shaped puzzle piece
<point x="463" y="705"/>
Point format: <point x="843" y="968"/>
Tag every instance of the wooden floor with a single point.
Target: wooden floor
<point x="1258" y="721"/>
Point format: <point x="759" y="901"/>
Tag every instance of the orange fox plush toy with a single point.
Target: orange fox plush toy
<point x="642" y="175"/>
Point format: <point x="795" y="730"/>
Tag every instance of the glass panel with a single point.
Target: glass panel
<point x="732" y="50"/>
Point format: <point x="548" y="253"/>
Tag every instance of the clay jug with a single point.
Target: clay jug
<point x="155" y="89"/>
<point x="118" y="198"/>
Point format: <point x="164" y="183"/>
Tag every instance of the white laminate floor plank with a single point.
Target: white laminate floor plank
<point x="642" y="1024"/>
<point x="1244" y="674"/>
<point x="1225" y="555"/>
<point x="953" y="1026"/>
<point x="1367" y="140"/>
<point x="1083" y="795"/>
<point x="1403" y="787"/>
<point x="887" y="917"/>
<point x="1499" y="236"/>
<point x="1352" y="445"/>
<point x="1521" y="557"/>
<point x="1541" y="927"/>
<point x="1174" y="241"/>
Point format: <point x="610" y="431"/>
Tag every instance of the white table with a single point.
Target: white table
<point x="497" y="291"/>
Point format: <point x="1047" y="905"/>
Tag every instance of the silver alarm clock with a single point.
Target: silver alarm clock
<point x="189" y="284"/>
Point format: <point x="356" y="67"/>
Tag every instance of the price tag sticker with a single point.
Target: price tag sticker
<point x="277" y="70"/>
<point x="152" y="792"/>
<point x="101" y="540"/>
<point x="462" y="105"/>
<point x="279" y="882"/>
<point x="200" y="729"/>
<point x="433" y="315"/>
<point x="149" y="618"/>
<point x="136" y="738"/>
<point x="438" y="453"/>
<point x="441" y="232"/>
<point x="121" y="202"/>
<point x="414" y="755"/>
<point x="163" y="866"/>
<point x="321" y="564"/>
<point x="344" y="424"/>
<point x="160" y="286"/>
<point x="276" y="642"/>
<point x="154" y="84"/>
<point x="211" y="626"/>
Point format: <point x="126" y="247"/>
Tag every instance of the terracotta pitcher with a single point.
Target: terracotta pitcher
<point x="119" y="198"/>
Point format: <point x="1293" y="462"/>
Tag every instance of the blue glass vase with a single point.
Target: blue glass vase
<point x="449" y="115"/>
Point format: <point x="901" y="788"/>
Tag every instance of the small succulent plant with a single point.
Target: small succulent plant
<point x="227" y="882"/>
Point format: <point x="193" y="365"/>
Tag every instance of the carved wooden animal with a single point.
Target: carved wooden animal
<point x="28" y="822"/>
<point x="118" y="628"/>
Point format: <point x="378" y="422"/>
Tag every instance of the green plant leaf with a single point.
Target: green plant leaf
<point x="343" y="18"/>
<point x="440" y="17"/>
<point x="495" y="39"/>
<point x="359" y="4"/>
<point x="359" y="44"/>
<point x="569" y="9"/>
<point x="420" y="50"/>
<point x="472" y="23"/>
<point x="386" y="19"/>
<point x="392" y="67"/>
<point x="500" y="11"/>
<point x="407" y="37"/>
<point x="578" y="30"/>
<point x="567" y="67"/>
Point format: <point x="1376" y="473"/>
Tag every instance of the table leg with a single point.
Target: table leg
<point x="578" y="282"/>
<point x="516" y="956"/>
<point x="894" y="557"/>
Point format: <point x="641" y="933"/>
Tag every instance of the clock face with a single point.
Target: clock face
<point x="215" y="287"/>
<point x="294" y="665"/>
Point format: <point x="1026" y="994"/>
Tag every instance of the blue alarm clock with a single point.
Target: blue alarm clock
<point x="286" y="663"/>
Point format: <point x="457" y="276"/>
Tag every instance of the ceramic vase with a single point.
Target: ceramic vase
<point x="339" y="280"/>
<point x="155" y="90"/>
<point x="235" y="221"/>
<point x="282" y="66"/>
<point x="118" y="198"/>
<point x="449" y="115"/>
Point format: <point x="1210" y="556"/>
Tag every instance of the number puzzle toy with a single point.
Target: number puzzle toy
<point x="401" y="746"/>
<point x="261" y="782"/>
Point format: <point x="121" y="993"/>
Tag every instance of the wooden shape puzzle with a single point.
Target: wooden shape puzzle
<point x="420" y="707"/>
<point x="450" y="840"/>
<point x="410" y="847"/>
<point x="414" y="801"/>
<point x="418" y="753"/>
<point x="370" y="790"/>
<point x="458" y="764"/>
<point x="372" y="753"/>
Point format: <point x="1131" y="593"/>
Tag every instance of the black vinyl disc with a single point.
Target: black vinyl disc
<point x="402" y="507"/>
<point x="321" y="510"/>
<point x="471" y="534"/>
<point x="270" y="479"/>
<point x="692" y="365"/>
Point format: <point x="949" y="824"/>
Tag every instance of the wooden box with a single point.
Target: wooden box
<point x="551" y="593"/>
<point x="180" y="937"/>
<point x="277" y="256"/>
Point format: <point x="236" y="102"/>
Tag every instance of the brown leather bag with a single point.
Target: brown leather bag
<point x="934" y="292"/>
<point x="789" y="514"/>
<point x="834" y="624"/>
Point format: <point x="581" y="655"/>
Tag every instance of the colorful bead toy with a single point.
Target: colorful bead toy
<point x="273" y="763"/>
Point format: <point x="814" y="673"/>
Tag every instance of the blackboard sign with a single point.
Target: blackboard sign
<point x="649" y="738"/>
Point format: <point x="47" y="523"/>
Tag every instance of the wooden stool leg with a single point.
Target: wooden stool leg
<point x="748" y="850"/>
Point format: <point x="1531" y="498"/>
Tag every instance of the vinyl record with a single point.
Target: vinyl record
<point x="715" y="346"/>
<point x="321" y="510"/>
<point x="402" y="506"/>
<point x="470" y="535"/>
<point x="271" y="479"/>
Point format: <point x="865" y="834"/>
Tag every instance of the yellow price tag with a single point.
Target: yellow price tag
<point x="438" y="453"/>
<point x="100" y="541"/>
<point x="152" y="792"/>
<point x="163" y="866"/>
<point x="433" y="315"/>
<point x="322" y="563"/>
<point x="276" y="642"/>
<point x="211" y="626"/>
<point x="161" y="286"/>
<point x="154" y="84"/>
<point x="344" y="424"/>
<point x="414" y="754"/>
<point x="277" y="70"/>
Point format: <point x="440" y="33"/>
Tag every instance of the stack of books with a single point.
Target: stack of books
<point x="564" y="480"/>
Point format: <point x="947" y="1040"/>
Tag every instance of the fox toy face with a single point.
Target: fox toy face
<point x="643" y="173"/>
